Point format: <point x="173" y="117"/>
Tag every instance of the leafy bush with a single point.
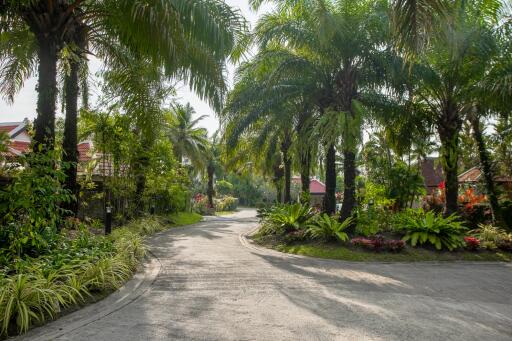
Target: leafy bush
<point x="226" y="203"/>
<point x="290" y="217"/>
<point x="328" y="228"/>
<point x="37" y="289"/>
<point x="30" y="207"/>
<point x="201" y="205"/>
<point x="492" y="237"/>
<point x="224" y="187"/>
<point x="431" y="228"/>
<point x="283" y="219"/>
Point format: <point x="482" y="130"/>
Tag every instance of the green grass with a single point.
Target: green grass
<point x="349" y="253"/>
<point x="185" y="218"/>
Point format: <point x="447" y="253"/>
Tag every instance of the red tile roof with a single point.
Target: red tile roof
<point x="20" y="146"/>
<point x="7" y="129"/>
<point x="316" y="187"/>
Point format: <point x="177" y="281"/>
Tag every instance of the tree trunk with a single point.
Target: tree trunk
<point x="330" y="181"/>
<point x="44" y="124"/>
<point x="449" y="127"/>
<point x="140" y="181"/>
<point x="486" y="165"/>
<point x="287" y="177"/>
<point x="349" y="182"/>
<point x="69" y="143"/>
<point x="210" y="191"/>
<point x="305" y="166"/>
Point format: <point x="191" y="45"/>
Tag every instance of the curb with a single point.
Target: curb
<point x="139" y="285"/>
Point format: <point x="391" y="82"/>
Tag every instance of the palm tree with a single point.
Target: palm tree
<point x="339" y="45"/>
<point x="194" y="48"/>
<point x="445" y="73"/>
<point x="200" y="36"/>
<point x="188" y="140"/>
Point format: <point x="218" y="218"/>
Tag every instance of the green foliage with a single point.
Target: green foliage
<point x="286" y="218"/>
<point x="30" y="211"/>
<point x="491" y="237"/>
<point x="431" y="228"/>
<point x="37" y="289"/>
<point x="226" y="203"/>
<point x="328" y="228"/>
<point x="224" y="187"/>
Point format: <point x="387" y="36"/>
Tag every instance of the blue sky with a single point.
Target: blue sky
<point x="25" y="102"/>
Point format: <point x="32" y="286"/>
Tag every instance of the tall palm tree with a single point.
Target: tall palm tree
<point x="445" y="73"/>
<point x="187" y="138"/>
<point x="198" y="39"/>
<point x="341" y="45"/>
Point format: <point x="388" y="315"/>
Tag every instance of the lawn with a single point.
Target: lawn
<point x="349" y="253"/>
<point x="184" y="218"/>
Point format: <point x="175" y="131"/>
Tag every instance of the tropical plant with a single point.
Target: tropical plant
<point x="328" y="228"/>
<point x="431" y="228"/>
<point x="188" y="140"/>
<point x="289" y="217"/>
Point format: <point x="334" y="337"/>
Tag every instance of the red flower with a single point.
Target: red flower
<point x="442" y="185"/>
<point x="472" y="243"/>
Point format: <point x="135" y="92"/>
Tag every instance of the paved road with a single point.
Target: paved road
<point x="212" y="287"/>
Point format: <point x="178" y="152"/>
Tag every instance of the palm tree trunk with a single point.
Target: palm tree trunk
<point x="330" y="181"/>
<point x="305" y="166"/>
<point x="210" y="191"/>
<point x="448" y="127"/>
<point x="349" y="182"/>
<point x="44" y="124"/>
<point x="486" y="164"/>
<point x="69" y="143"/>
<point x="287" y="177"/>
<point x="287" y="161"/>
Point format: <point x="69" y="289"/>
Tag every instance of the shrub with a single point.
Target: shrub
<point x="328" y="228"/>
<point x="30" y="207"/>
<point x="283" y="219"/>
<point x="431" y="228"/>
<point x="226" y="203"/>
<point x="290" y="217"/>
<point x="492" y="237"/>
<point x="472" y="243"/>
<point x="224" y="187"/>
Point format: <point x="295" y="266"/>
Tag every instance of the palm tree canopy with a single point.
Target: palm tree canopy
<point x="187" y="138"/>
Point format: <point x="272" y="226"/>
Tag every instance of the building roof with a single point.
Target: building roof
<point x="315" y="186"/>
<point x="475" y="175"/>
<point x="432" y="172"/>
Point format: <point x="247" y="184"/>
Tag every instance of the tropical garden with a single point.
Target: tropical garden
<point x="360" y="94"/>
<point x="356" y="94"/>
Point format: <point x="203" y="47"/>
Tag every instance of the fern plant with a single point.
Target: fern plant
<point x="290" y="218"/>
<point x="328" y="228"/>
<point x="434" y="229"/>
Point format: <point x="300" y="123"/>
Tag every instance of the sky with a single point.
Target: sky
<point x="24" y="105"/>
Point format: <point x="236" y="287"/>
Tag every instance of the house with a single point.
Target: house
<point x="474" y="176"/>
<point x="20" y="143"/>
<point x="316" y="190"/>
<point x="432" y="173"/>
<point x="19" y="139"/>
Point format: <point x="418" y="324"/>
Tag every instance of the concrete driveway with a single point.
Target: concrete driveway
<point x="210" y="285"/>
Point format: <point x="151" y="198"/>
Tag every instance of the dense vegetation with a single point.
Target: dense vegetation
<point x="52" y="251"/>
<point x="374" y="86"/>
<point x="362" y="94"/>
